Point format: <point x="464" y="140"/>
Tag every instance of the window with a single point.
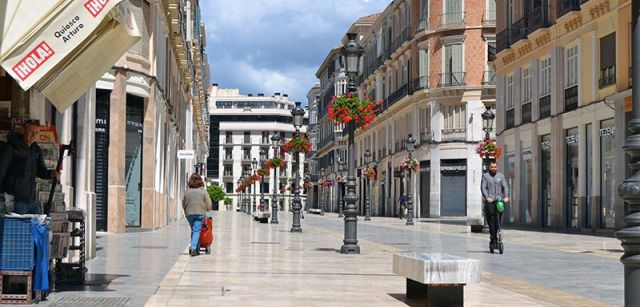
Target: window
<point x="424" y="9"/>
<point x="265" y="137"/>
<point x="509" y="95"/>
<point x="229" y="187"/>
<point x="526" y="84"/>
<point x="228" y="170"/>
<point x="453" y="70"/>
<point x="228" y="137"/>
<point x="571" y="66"/>
<point x="545" y="77"/>
<point x="247" y="137"/>
<point x="227" y="154"/>
<point x="608" y="60"/>
<point x="455" y="118"/>
<point x="453" y="12"/>
<point x="246" y="155"/>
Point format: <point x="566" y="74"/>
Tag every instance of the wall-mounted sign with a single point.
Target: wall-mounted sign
<point x="546" y="145"/>
<point x="186" y="154"/>
<point x="571" y="139"/>
<point x="608" y="131"/>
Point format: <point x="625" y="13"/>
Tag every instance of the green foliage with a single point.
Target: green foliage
<point x="216" y="193"/>
<point x="227" y="201"/>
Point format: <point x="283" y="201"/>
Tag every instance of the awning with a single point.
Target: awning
<point x="69" y="48"/>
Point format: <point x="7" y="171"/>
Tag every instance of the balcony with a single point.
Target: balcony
<point x="545" y="106"/>
<point x="247" y="140"/>
<point x="451" y="79"/>
<point x="228" y="141"/>
<point x="489" y="77"/>
<point x="397" y="95"/>
<point x="489" y="18"/>
<point x="538" y="18"/>
<point x="510" y="119"/>
<point x="571" y="98"/>
<point x="400" y="39"/>
<point x="566" y="6"/>
<point x="400" y="145"/>
<point x="454" y="135"/>
<point x="228" y="158"/>
<point x="607" y="77"/>
<point x="426" y="137"/>
<point x="451" y="20"/>
<point x="421" y="83"/>
<point x="526" y="113"/>
<point x="423" y="24"/>
<point x="502" y="40"/>
<point x="517" y="31"/>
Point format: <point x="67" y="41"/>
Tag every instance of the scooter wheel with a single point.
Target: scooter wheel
<point x="501" y="248"/>
<point x="491" y="249"/>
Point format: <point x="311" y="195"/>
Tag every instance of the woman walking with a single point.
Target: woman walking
<point x="195" y="202"/>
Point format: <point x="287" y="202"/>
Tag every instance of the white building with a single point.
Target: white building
<point x="242" y="125"/>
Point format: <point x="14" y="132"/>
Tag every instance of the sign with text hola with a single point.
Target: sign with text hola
<point x="186" y="154"/>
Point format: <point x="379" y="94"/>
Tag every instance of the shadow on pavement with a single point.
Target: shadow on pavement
<point x="327" y="249"/>
<point x="410" y="302"/>
<point x="93" y="282"/>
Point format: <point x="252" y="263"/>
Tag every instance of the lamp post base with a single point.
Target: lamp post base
<point x="296" y="229"/>
<point x="350" y="249"/>
<point x="367" y="218"/>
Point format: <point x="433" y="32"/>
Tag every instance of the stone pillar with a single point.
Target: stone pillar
<point x="149" y="203"/>
<point x="117" y="141"/>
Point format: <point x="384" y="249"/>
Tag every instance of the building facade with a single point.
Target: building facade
<point x="426" y="62"/>
<point x="564" y="87"/>
<point x="313" y="101"/>
<point x="241" y="126"/>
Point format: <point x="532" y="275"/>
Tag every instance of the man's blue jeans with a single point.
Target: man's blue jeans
<point x="26" y="208"/>
<point x="195" y="220"/>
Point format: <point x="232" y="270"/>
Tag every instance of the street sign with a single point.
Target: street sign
<point x="186" y="154"/>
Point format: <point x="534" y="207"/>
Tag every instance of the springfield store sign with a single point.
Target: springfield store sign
<point x="56" y="40"/>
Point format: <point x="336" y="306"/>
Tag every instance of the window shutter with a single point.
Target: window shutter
<point x="608" y="51"/>
<point x="457" y="58"/>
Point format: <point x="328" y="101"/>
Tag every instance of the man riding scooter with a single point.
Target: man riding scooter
<point x="494" y="189"/>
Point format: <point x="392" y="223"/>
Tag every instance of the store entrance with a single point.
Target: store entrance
<point x="133" y="160"/>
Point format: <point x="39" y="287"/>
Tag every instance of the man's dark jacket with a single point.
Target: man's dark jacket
<point x="19" y="166"/>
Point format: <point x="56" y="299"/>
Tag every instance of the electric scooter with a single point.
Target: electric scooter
<point x="499" y="244"/>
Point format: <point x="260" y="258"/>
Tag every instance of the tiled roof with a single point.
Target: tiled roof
<point x="370" y="18"/>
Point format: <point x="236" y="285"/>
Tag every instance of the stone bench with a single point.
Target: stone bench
<point x="262" y="217"/>
<point x="315" y="211"/>
<point x="438" y="278"/>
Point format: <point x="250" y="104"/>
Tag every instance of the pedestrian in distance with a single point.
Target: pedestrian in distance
<point x="494" y="190"/>
<point x="402" y="206"/>
<point x="195" y="202"/>
<point x="21" y="161"/>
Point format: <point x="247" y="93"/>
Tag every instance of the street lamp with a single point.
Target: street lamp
<point x="254" y="168"/>
<point x="275" y="142"/>
<point x="410" y="148"/>
<point x="351" y="54"/>
<point x="322" y="196"/>
<point x="298" y="116"/>
<point x="342" y="167"/>
<point x="240" y="200"/>
<point x="367" y="187"/>
<point x="629" y="189"/>
<point x="487" y="121"/>
<point x="263" y="160"/>
<point x="247" y="194"/>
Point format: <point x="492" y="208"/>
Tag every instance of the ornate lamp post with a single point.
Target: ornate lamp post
<point x="240" y="199"/>
<point x="351" y="54"/>
<point x="254" y="168"/>
<point x="629" y="190"/>
<point x="298" y="117"/>
<point x="263" y="159"/>
<point x="247" y="194"/>
<point x="275" y="142"/>
<point x="367" y="188"/>
<point x="487" y="126"/>
<point x="342" y="167"/>
<point x="322" y="196"/>
<point x="410" y="148"/>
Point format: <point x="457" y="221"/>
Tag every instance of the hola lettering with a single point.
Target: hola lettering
<point x="95" y="6"/>
<point x="30" y="63"/>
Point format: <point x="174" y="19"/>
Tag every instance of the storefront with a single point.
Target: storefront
<point x="425" y="187"/>
<point x="545" y="181"/>
<point x="607" y="178"/>
<point x="453" y="187"/>
<point x="571" y="178"/>
<point x="133" y="161"/>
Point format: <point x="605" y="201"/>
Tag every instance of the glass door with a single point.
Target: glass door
<point x="545" y="176"/>
<point x="571" y="178"/>
<point x="133" y="161"/>
<point x="607" y="179"/>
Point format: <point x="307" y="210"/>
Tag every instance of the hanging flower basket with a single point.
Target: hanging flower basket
<point x="298" y="144"/>
<point x="275" y="162"/>
<point x="263" y="172"/>
<point x="307" y="184"/>
<point x="370" y="173"/>
<point x="345" y="109"/>
<point x="324" y="183"/>
<point x="411" y="164"/>
<point x="489" y="149"/>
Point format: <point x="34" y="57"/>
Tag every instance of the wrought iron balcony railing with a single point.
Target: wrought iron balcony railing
<point x="451" y="19"/>
<point x="423" y="24"/>
<point x="489" y="18"/>
<point x="421" y="83"/>
<point x="398" y="94"/>
<point x="451" y="79"/>
<point x="538" y="18"/>
<point x="489" y="77"/>
<point x="510" y="119"/>
<point x="502" y="40"/>
<point x="566" y="6"/>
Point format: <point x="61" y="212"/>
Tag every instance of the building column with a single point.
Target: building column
<point x="117" y="142"/>
<point x="149" y="203"/>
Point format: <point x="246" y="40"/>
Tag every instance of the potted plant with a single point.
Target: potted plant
<point x="298" y="144"/>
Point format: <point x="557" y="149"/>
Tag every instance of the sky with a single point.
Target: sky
<point x="276" y="46"/>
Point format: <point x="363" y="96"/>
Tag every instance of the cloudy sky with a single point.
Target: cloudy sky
<point x="268" y="46"/>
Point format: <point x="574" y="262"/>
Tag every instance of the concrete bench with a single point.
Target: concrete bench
<point x="262" y="217"/>
<point x="315" y="211"/>
<point x="438" y="278"/>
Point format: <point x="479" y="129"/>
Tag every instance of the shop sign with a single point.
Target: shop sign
<point x="608" y="131"/>
<point x="55" y="41"/>
<point x="572" y="139"/>
<point x="458" y="168"/>
<point x="186" y="154"/>
<point x="546" y="145"/>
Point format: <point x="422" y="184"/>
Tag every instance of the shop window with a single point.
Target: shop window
<point x="545" y="176"/>
<point x="571" y="178"/>
<point x="526" y="174"/>
<point x="586" y="210"/>
<point x="607" y="60"/>
<point x="607" y="165"/>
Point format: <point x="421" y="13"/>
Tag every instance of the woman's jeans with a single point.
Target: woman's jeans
<point x="195" y="220"/>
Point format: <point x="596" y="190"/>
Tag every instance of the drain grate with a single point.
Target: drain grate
<point x="79" y="301"/>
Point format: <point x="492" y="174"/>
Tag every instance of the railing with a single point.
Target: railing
<point x="228" y="141"/>
<point x="423" y="24"/>
<point x="517" y="31"/>
<point x="489" y="18"/>
<point x="510" y="119"/>
<point x="489" y="77"/>
<point x="451" y="19"/>
<point x="545" y="106"/>
<point x="526" y="113"/>
<point x="502" y="40"/>
<point x="421" y="83"/>
<point x="454" y="135"/>
<point x="400" y="39"/>
<point x="398" y="94"/>
<point x="229" y="158"/>
<point x="451" y="79"/>
<point x="400" y="145"/>
<point x="566" y="6"/>
<point x="538" y="18"/>
<point x="571" y="98"/>
<point x="607" y="78"/>
<point x="426" y="136"/>
<point x="247" y="140"/>
<point x="380" y="60"/>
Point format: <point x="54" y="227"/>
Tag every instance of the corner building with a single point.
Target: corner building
<point x="564" y="87"/>
<point x="427" y="62"/>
